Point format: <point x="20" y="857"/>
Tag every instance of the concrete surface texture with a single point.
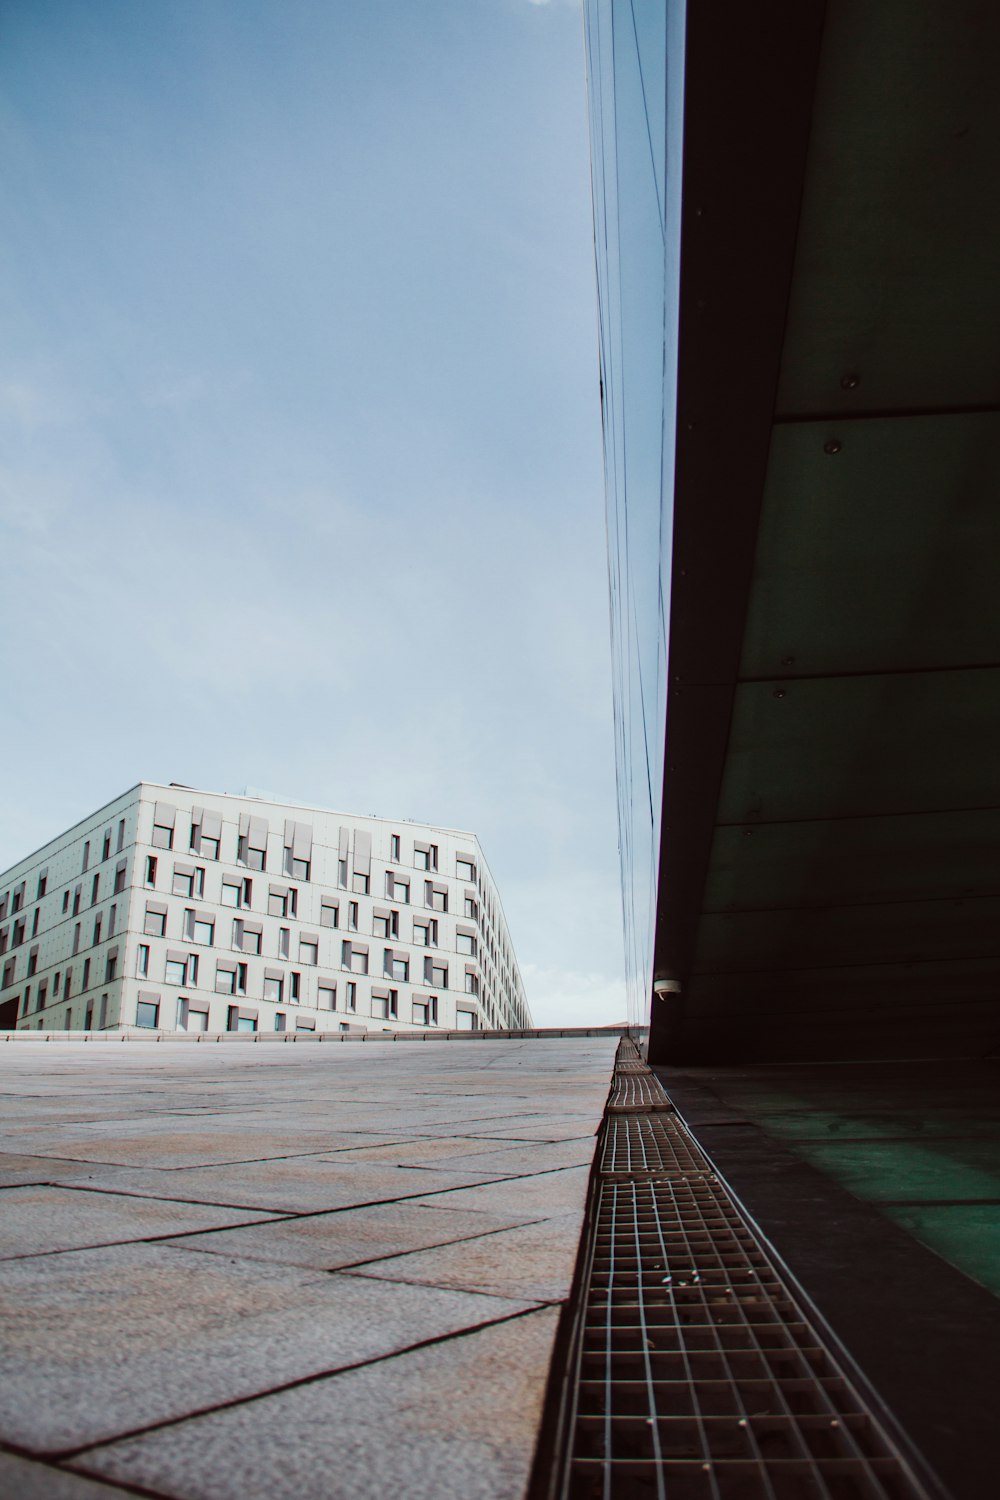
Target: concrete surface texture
<point x="245" y="1272"/>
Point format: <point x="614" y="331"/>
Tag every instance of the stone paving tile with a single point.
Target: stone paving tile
<point x="97" y="1343"/>
<point x="326" y="1242"/>
<point x="535" y="1261"/>
<point x="16" y="1168"/>
<point x="548" y="1194"/>
<point x="296" y="1184"/>
<point x="520" y="1159"/>
<point x="161" y="1143"/>
<point x="22" y="1479"/>
<point x="42" y="1219"/>
<point x="458" y="1419"/>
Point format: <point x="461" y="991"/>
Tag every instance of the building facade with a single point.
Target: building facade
<point x="180" y="910"/>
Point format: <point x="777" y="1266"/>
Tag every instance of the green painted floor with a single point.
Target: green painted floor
<point x="919" y="1141"/>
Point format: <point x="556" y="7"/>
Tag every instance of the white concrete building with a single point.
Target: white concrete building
<point x="182" y="910"/>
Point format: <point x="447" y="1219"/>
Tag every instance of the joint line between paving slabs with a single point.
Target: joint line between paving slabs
<point x="65" y="1455"/>
<point x="256" y="1208"/>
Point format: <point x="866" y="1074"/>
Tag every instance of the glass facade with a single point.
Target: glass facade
<point x="635" y="58"/>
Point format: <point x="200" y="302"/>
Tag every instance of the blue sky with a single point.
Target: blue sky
<point x="300" y="471"/>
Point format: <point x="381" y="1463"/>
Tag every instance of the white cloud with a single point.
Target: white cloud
<point x="567" y="997"/>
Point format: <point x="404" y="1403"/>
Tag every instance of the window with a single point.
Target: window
<point x="150" y="869"/>
<point x="112" y="919"/>
<point x="225" y="979"/>
<point x="295" y="986"/>
<point x="121" y="836"/>
<point x="329" y="914"/>
<point x="208" y="848"/>
<point x="8" y="974"/>
<point x="32" y="961"/>
<point x="142" y="961"/>
<point x="103" y="1020"/>
<point x="43" y="882"/>
<point x="360" y="883"/>
<point x="85" y="985"/>
<point x="4" y="935"/>
<point x="397" y="888"/>
<point x="247" y="936"/>
<point x="342" y="873"/>
<point x="277" y="902"/>
<point x="251" y="848"/>
<point x="40" y="998"/>
<point x="197" y="1020"/>
<point x="76" y="938"/>
<point x="435" y="974"/>
<point x="95" y="888"/>
<point x="465" y="943"/>
<point x="183" y="883"/>
<point x="435" y="896"/>
<point x="111" y="966"/>
<point x="164" y="818"/>
<point x="68" y="1023"/>
<point x="425" y="856"/>
<point x="155" y="924"/>
<point x="86" y="856"/>
<point x="396" y="966"/>
<point x="425" y="934"/>
<point x="76" y="899"/>
<point x="3" y="904"/>
<point x="65" y="905"/>
<point x="176" y="971"/>
<point x="352" y="995"/>
<point x="232" y="891"/>
<point x="464" y="868"/>
<point x="18" y="898"/>
<point x="274" y="987"/>
<point x="120" y="869"/>
<point x="465" y="1020"/>
<point x="106" y="846"/>
<point x="352" y="915"/>
<point x="240" y="1019"/>
<point x="425" y="1012"/>
<point x="355" y="958"/>
<point x="203" y="930"/>
<point x="284" y="941"/>
<point x="308" y="949"/>
<point x="68" y="983"/>
<point x="147" y="1011"/>
<point x="97" y="930"/>
<point x="305" y="1023"/>
<point x="385" y="1004"/>
<point x="34" y="921"/>
<point x="279" y="1020"/>
<point x="386" y="923"/>
<point x="326" y="992"/>
<point x="298" y="850"/>
<point x="17" y="937"/>
<point x="199" y="882"/>
<point x="394" y="846"/>
<point x="471" y="983"/>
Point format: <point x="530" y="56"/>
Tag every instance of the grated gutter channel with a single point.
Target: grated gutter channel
<point x="692" y="1370"/>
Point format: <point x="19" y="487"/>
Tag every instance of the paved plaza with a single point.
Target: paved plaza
<point x="238" y="1270"/>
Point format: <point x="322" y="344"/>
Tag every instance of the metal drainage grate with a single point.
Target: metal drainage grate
<point x="696" y="1375"/>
